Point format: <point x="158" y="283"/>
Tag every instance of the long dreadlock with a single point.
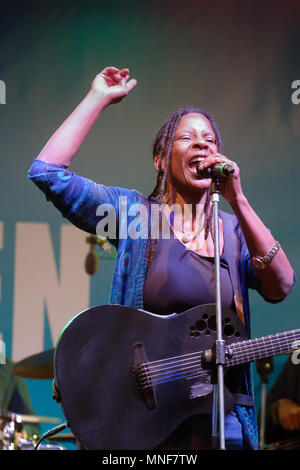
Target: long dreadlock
<point x="162" y="146"/>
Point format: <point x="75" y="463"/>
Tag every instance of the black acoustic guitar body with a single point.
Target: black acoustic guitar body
<point x="127" y="378"/>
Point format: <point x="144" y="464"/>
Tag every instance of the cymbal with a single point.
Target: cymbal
<point x="38" y="366"/>
<point x="33" y="419"/>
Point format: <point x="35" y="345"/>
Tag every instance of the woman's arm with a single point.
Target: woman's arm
<point x="109" y="86"/>
<point x="278" y="276"/>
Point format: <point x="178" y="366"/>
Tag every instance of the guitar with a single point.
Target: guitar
<point x="126" y="378"/>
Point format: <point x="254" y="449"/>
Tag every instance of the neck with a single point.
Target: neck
<point x="191" y="208"/>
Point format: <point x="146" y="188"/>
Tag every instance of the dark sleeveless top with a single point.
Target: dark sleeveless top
<point x="179" y="279"/>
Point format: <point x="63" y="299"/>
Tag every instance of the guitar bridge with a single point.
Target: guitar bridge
<point x="141" y="377"/>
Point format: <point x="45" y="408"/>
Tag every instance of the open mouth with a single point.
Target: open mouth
<point x="194" y="162"/>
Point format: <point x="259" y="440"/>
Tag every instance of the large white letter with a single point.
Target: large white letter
<point x="37" y="284"/>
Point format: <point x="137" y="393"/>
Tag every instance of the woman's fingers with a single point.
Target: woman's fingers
<point x="131" y="84"/>
<point x="213" y="159"/>
<point x="117" y="76"/>
<point x="124" y="72"/>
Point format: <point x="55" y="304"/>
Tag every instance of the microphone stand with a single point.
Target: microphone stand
<point x="218" y="407"/>
<point x="218" y="412"/>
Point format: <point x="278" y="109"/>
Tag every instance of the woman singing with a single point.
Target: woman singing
<point x="171" y="274"/>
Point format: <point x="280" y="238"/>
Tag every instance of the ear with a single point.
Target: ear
<point x="156" y="163"/>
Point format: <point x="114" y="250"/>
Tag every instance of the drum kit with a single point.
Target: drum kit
<point x="13" y="434"/>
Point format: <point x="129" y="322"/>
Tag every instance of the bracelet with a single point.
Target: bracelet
<point x="260" y="263"/>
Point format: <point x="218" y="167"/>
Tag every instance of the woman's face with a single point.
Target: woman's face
<point x="194" y="140"/>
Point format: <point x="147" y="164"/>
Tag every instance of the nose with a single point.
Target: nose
<point x="202" y="144"/>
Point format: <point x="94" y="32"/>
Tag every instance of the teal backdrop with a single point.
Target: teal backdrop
<point x="237" y="59"/>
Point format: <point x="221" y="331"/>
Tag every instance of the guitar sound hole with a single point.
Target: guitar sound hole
<point x="207" y="324"/>
<point x="228" y="330"/>
<point x="212" y="323"/>
<point x="200" y="325"/>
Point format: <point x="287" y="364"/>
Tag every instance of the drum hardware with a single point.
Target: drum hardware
<point x="13" y="436"/>
<point x="39" y="419"/>
<point x="285" y="444"/>
<point x="264" y="367"/>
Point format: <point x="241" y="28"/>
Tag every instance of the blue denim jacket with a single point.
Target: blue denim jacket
<point x="78" y="198"/>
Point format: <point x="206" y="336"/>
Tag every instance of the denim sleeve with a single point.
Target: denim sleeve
<point x="77" y="198"/>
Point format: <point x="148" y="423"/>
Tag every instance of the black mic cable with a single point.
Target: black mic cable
<point x="52" y="431"/>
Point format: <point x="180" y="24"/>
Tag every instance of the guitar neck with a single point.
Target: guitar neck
<point x="266" y="346"/>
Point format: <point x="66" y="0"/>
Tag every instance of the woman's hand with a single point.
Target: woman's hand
<point x="230" y="186"/>
<point x="113" y="84"/>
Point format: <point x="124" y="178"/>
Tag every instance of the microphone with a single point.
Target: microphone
<point x="223" y="170"/>
<point x="107" y="251"/>
<point x="91" y="263"/>
<point x="91" y="260"/>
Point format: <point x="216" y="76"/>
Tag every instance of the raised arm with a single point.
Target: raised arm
<point x="109" y="86"/>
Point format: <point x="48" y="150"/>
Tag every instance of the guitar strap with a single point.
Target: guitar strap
<point x="242" y="399"/>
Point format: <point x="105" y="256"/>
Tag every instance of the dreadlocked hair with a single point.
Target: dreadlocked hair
<point x="162" y="146"/>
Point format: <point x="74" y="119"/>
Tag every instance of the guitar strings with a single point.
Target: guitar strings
<point x="183" y="372"/>
<point x="153" y="369"/>
<point x="275" y="342"/>
<point x="154" y="365"/>
<point x="275" y="339"/>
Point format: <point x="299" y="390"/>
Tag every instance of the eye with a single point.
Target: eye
<point x="185" y="137"/>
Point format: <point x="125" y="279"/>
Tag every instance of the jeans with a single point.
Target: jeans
<point x="233" y="432"/>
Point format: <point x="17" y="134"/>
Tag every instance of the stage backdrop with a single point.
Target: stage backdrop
<point x="238" y="60"/>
